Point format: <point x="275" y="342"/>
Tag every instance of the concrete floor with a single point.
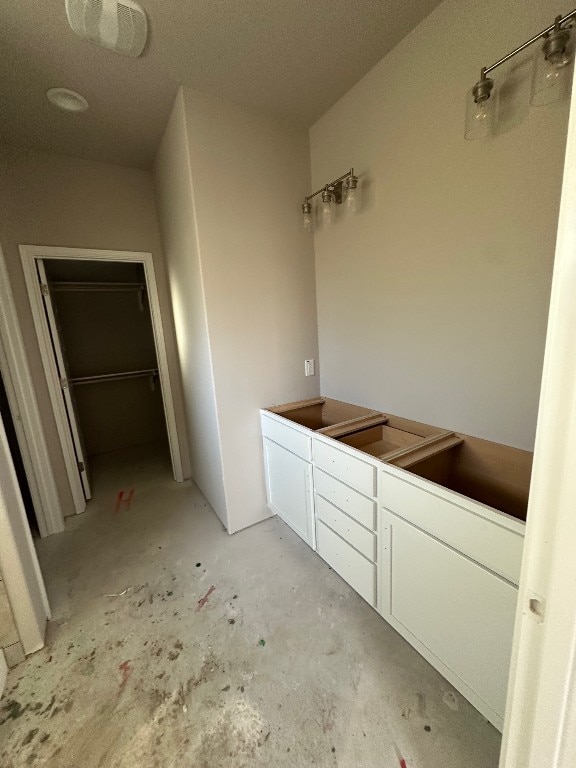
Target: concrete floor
<point x="174" y="645"/>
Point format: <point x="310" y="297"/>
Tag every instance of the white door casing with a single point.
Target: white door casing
<point x="3" y="672"/>
<point x="540" y="724"/>
<point x="18" y="560"/>
<point x="30" y="254"/>
<point x="26" y="414"/>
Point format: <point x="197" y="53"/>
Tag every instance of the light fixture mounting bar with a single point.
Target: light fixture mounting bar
<point x="335" y="187"/>
<point x="559" y="22"/>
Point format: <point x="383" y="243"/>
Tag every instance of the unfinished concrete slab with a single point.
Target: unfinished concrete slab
<point x="175" y="644"/>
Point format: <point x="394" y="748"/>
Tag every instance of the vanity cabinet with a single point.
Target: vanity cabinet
<point x="426" y="525"/>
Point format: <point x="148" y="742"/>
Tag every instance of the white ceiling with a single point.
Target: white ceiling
<point x="291" y="58"/>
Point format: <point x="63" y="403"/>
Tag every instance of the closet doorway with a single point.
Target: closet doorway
<point x="97" y="319"/>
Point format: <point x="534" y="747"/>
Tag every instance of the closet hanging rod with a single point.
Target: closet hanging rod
<point x="148" y="372"/>
<point x="67" y="286"/>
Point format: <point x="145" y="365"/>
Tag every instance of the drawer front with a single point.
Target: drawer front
<point x="361" y="539"/>
<point x="353" y="503"/>
<point x="352" y="471"/>
<point x="287" y="437"/>
<point x="461" y="612"/>
<point x="349" y="564"/>
<point x="486" y="542"/>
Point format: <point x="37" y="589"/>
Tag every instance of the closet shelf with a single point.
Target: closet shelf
<point x="69" y="286"/>
<point x="148" y="372"/>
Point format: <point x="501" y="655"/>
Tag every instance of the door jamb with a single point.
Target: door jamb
<point x="540" y="722"/>
<point x="26" y="414"/>
<point x="52" y="378"/>
<point x="29" y="255"/>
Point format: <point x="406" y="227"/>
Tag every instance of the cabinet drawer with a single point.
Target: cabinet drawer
<point x="353" y="503"/>
<point x="347" y="562"/>
<point x="485" y="541"/>
<point x="361" y="539"/>
<point x="351" y="470"/>
<point x="287" y="437"/>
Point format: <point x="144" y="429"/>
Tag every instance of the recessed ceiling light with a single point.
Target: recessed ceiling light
<point x="68" y="100"/>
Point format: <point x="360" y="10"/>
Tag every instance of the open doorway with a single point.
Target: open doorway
<point x="98" y="324"/>
<point x="17" y="459"/>
<point x="101" y="332"/>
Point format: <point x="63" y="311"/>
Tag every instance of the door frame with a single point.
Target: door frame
<point x="540" y="722"/>
<point x="26" y="414"/>
<point x="18" y="559"/>
<point x="29" y="255"/>
<point x="3" y="672"/>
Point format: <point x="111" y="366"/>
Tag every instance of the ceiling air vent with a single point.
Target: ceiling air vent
<point x="120" y="25"/>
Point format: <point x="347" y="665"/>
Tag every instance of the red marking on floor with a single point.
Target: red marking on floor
<point x="121" y="500"/>
<point x="203" y="600"/>
<point x="400" y="758"/>
<point x="126" y="670"/>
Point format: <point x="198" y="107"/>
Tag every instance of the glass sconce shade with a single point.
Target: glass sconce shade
<point x="480" y="111"/>
<point x="307" y="216"/>
<point x="552" y="73"/>
<point x="327" y="212"/>
<point x="351" y="199"/>
<point x="327" y="206"/>
<point x="351" y="192"/>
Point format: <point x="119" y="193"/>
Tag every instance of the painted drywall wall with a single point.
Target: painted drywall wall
<point x="249" y="173"/>
<point x="433" y="298"/>
<point x="63" y="201"/>
<point x="19" y="566"/>
<point x="175" y="202"/>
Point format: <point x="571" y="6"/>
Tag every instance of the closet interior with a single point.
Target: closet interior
<point x="106" y="339"/>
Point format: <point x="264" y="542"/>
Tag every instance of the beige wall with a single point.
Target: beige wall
<point x="173" y="182"/>
<point x="432" y="300"/>
<point x="50" y="199"/>
<point x="248" y="175"/>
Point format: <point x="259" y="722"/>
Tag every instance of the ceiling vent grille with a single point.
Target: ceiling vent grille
<point x="120" y="25"/>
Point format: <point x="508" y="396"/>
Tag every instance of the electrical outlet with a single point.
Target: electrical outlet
<point x="309" y="367"/>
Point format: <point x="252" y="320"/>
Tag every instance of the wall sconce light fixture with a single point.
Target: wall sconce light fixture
<point x="334" y="193"/>
<point x="549" y="81"/>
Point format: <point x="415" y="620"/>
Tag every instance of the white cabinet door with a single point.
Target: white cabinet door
<point x="289" y="489"/>
<point x="459" y="611"/>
